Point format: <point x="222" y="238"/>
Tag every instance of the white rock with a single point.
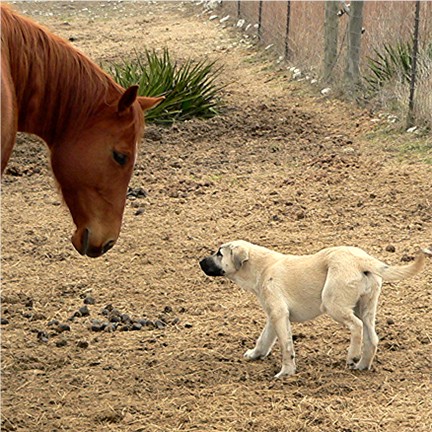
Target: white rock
<point x="412" y="129"/>
<point x="224" y="19"/>
<point x="326" y="91"/>
<point x="314" y="81"/>
<point x="241" y="23"/>
<point x="213" y="17"/>
<point x="268" y="47"/>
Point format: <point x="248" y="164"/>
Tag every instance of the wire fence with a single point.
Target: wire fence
<point x="348" y="44"/>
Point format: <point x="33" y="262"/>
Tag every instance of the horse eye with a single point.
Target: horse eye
<point x="120" y="158"/>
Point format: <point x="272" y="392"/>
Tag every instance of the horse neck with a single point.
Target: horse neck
<point x="57" y="88"/>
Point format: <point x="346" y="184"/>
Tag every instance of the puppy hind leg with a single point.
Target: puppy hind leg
<point x="339" y="299"/>
<point x="368" y="306"/>
<point x="264" y="343"/>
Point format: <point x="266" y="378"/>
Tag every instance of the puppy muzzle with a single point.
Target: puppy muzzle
<point x="210" y="268"/>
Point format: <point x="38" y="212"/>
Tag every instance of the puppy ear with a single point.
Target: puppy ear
<point x="239" y="255"/>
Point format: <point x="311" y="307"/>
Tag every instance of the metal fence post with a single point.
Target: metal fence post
<point x="410" y="118"/>
<point x="260" y="19"/>
<point x="288" y="19"/>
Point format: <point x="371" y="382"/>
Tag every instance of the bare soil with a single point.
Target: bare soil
<point x="283" y="167"/>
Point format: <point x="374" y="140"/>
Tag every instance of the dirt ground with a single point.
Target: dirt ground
<point x="283" y="167"/>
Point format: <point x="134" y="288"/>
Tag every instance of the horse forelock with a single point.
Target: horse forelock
<point x="58" y="89"/>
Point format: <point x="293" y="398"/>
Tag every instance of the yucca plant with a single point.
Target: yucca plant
<point x="394" y="61"/>
<point x="190" y="89"/>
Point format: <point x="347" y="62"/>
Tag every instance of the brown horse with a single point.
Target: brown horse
<point x="91" y="125"/>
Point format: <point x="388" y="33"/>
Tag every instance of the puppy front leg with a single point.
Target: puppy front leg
<point x="264" y="343"/>
<point x="283" y="331"/>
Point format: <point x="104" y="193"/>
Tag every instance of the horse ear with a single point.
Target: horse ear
<point x="149" y="102"/>
<point x="239" y="255"/>
<point x="127" y="99"/>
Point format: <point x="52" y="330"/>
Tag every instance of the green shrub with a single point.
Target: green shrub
<point x="190" y="89"/>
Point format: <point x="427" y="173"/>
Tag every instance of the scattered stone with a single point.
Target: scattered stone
<point x="137" y="192"/>
<point x="188" y="325"/>
<point x="89" y="301"/>
<point x="224" y="19"/>
<point x="159" y="324"/>
<point x="139" y="212"/>
<point x="62" y="327"/>
<point x="53" y="322"/>
<point x="83" y="311"/>
<point x="326" y="91"/>
<point x="125" y="318"/>
<point x="136" y="326"/>
<point x="390" y="321"/>
<point x="115" y="318"/>
<point x="167" y="309"/>
<point x="4" y="321"/>
<point x="407" y="258"/>
<point x="390" y="248"/>
<point x="42" y="336"/>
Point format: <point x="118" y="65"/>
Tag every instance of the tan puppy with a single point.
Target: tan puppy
<point x="344" y="282"/>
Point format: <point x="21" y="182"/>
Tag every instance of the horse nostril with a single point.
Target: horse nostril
<point x="107" y="246"/>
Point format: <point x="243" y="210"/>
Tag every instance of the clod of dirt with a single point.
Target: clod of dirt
<point x="390" y="248"/>
<point x="82" y="344"/>
<point x="61" y="343"/>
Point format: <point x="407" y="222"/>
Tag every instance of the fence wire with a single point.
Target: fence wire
<point x="296" y="31"/>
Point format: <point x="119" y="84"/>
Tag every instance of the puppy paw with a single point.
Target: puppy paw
<point x="286" y="371"/>
<point x="353" y="362"/>
<point x="253" y="354"/>
<point x="362" y="366"/>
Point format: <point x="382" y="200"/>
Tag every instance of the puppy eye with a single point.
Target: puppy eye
<point x="120" y="158"/>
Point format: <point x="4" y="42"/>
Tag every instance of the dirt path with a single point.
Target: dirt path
<point x="283" y="167"/>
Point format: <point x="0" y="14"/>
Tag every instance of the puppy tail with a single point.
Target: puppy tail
<point x="397" y="273"/>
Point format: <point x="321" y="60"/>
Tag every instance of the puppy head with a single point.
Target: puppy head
<point x="228" y="260"/>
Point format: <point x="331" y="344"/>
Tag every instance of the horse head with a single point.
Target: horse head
<point x="93" y="167"/>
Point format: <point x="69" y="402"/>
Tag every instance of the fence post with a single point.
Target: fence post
<point x="410" y="118"/>
<point x="260" y="19"/>
<point x="238" y="8"/>
<point x="288" y="19"/>
<point x="352" y="70"/>
<point x="331" y="28"/>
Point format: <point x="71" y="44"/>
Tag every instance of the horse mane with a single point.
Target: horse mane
<point x="57" y="87"/>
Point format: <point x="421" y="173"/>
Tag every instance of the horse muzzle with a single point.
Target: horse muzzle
<point x="82" y="241"/>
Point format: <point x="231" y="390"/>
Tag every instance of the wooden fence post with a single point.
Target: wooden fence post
<point x="352" y="70"/>
<point x="331" y="28"/>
